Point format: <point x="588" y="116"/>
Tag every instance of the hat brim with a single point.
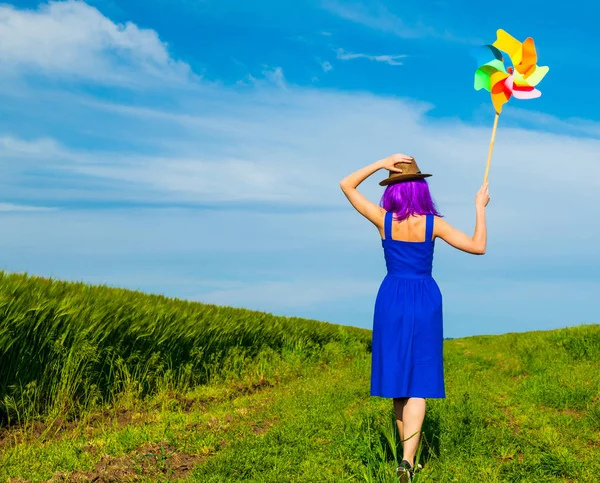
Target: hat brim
<point x="400" y="178"/>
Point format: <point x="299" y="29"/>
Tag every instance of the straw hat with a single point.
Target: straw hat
<point x="410" y="171"/>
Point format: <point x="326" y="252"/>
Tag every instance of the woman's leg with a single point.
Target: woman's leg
<point x="413" y="414"/>
<point x="399" y="403"/>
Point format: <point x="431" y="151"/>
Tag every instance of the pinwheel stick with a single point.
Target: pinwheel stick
<point x="489" y="160"/>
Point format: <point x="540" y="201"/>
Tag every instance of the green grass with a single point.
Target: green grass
<point x="521" y="407"/>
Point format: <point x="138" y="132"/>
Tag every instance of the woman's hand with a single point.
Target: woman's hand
<point x="483" y="197"/>
<point x="389" y="162"/>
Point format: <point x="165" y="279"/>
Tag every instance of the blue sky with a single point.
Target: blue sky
<point x="194" y="148"/>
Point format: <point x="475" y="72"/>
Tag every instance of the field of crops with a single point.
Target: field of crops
<point x="68" y="347"/>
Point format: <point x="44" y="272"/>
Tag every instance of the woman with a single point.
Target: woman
<point x="407" y="362"/>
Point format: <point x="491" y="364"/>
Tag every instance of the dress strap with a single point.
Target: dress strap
<point x="387" y="225"/>
<point x="428" y="227"/>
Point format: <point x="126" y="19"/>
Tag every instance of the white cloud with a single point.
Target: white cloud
<point x="546" y="121"/>
<point x="271" y="76"/>
<point x="192" y="179"/>
<point x="11" y="207"/>
<point x="326" y="66"/>
<point x="387" y="59"/>
<point x="293" y="146"/>
<point x="73" y="40"/>
<point x="377" y="16"/>
<point x="276" y="76"/>
<point x="43" y="147"/>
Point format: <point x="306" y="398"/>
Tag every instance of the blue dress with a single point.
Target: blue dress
<point x="407" y="349"/>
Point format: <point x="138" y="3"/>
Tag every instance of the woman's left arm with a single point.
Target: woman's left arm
<point x="368" y="209"/>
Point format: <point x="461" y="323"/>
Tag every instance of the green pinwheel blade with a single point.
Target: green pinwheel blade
<point x="483" y="75"/>
<point x="482" y="80"/>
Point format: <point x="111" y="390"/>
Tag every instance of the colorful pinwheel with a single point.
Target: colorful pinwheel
<point x="518" y="80"/>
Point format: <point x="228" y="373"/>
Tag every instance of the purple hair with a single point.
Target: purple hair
<point x="408" y="198"/>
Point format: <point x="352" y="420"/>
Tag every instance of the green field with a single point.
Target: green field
<point x="100" y="384"/>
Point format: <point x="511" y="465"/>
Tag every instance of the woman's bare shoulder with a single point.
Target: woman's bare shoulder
<point x="440" y="226"/>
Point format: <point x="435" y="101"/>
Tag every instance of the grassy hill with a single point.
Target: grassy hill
<point x="100" y="384"/>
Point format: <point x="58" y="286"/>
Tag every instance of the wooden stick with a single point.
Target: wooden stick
<point x="489" y="160"/>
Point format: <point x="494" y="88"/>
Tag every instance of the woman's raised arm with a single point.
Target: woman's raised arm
<point x="368" y="209"/>
<point x="475" y="244"/>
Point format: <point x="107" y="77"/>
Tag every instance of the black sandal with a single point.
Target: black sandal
<point x="406" y="472"/>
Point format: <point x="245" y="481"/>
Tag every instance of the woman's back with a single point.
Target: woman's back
<point x="409" y="258"/>
<point x="411" y="229"/>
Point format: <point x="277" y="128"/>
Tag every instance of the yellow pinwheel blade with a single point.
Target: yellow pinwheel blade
<point x="510" y="45"/>
<point x="537" y="75"/>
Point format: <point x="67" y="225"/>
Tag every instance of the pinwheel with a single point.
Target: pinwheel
<point x="518" y="80"/>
